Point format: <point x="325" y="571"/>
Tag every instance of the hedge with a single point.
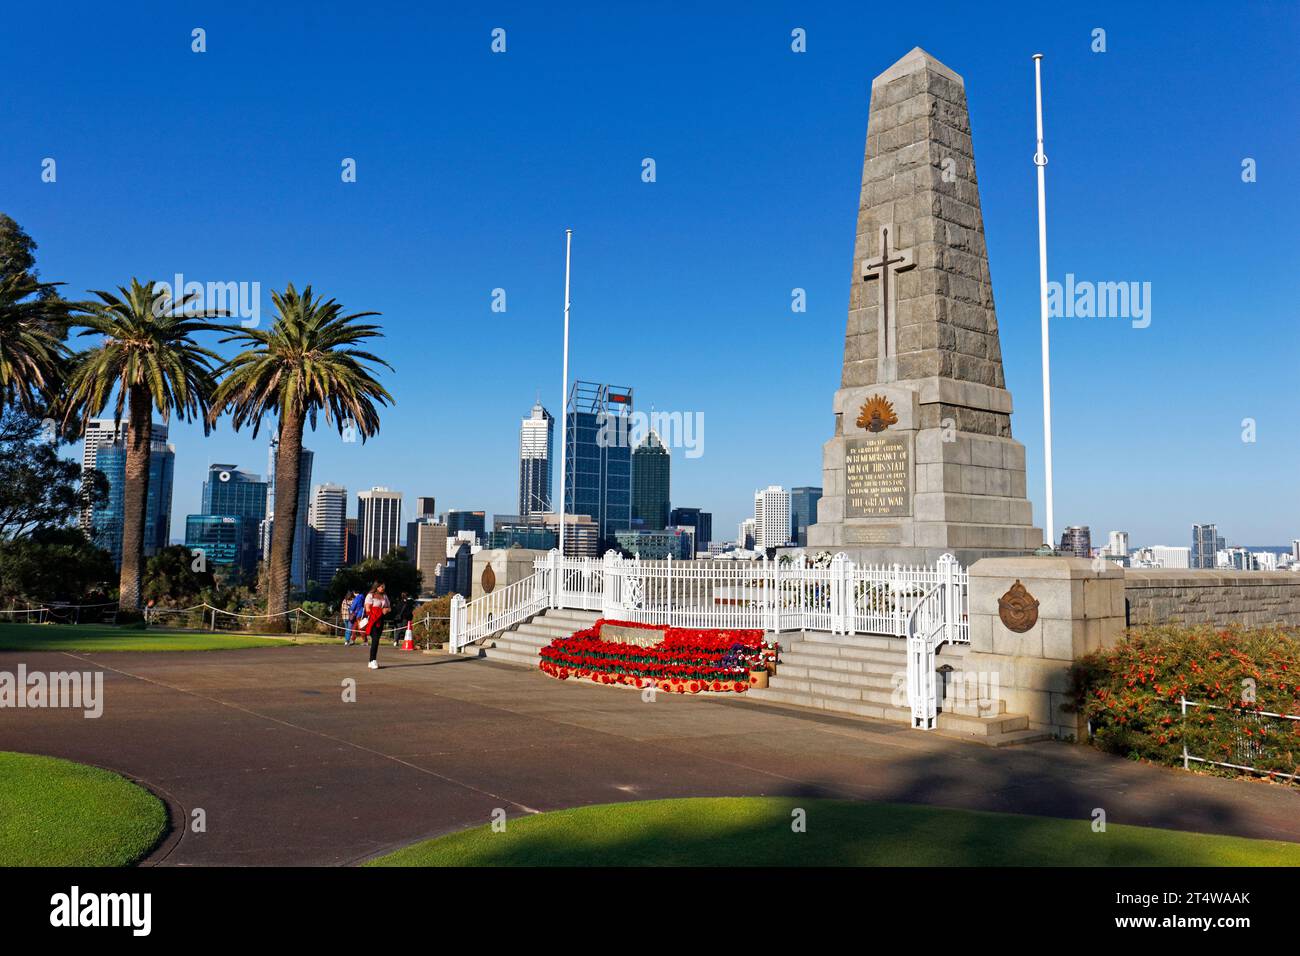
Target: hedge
<point x="1131" y="694"/>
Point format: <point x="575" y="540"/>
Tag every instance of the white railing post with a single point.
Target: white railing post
<point x="457" y="623"/>
<point x="557" y="576"/>
<point x="611" y="584"/>
<point x="775" y="627"/>
<point x="948" y="579"/>
<point x="668" y="587"/>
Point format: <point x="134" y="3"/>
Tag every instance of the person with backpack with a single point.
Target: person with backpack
<point x="347" y="617"/>
<point x="356" y="616"/>
<point x="405" y="611"/>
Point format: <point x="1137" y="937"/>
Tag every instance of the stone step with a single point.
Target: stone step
<point x="842" y="665"/>
<point x="506" y="655"/>
<point x="857" y="689"/>
<point x="816" y="642"/>
<point x="826" y="652"/>
<point x="998" y="730"/>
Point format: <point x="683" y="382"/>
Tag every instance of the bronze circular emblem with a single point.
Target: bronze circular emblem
<point x="1018" y="609"/>
<point x="489" y="579"/>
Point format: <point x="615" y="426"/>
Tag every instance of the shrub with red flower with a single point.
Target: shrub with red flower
<point x="688" y="661"/>
<point x="1131" y="695"/>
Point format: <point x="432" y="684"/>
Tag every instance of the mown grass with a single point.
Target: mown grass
<point x="758" y="831"/>
<point x="100" y="637"/>
<point x="58" y="813"/>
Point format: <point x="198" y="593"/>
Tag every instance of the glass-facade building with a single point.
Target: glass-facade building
<point x="106" y="523"/>
<point x="651" y="472"/>
<point x="803" y="512"/>
<point x="231" y="493"/>
<point x="598" y="458"/>
<point x="536" y="452"/>
<point x="701" y="521"/>
<point x="225" y="540"/>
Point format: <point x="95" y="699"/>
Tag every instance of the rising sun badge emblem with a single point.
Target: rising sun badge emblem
<point x="877" y="414"/>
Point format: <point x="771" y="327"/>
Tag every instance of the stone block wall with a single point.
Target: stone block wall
<point x="1219" y="598"/>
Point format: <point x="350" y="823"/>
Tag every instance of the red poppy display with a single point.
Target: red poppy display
<point x="689" y="660"/>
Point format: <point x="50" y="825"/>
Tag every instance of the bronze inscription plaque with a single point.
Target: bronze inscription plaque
<point x="877" y="477"/>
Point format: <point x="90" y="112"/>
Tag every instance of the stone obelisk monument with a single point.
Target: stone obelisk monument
<point x="922" y="461"/>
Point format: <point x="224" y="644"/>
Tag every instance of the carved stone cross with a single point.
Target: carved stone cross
<point x="883" y="267"/>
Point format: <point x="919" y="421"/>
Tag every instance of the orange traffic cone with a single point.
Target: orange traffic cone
<point x="408" y="644"/>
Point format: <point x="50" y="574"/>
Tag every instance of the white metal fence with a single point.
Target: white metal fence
<point x="1248" y="744"/>
<point x="791" y="594"/>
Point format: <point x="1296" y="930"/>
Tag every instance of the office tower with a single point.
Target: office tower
<point x="101" y="432"/>
<point x="328" y="518"/>
<point x="427" y="545"/>
<point x="656" y="545"/>
<point x="803" y="512"/>
<point x="701" y="521"/>
<point x="1118" y="544"/>
<point x="1206" y="543"/>
<point x="536" y="535"/>
<point x="598" y="458"/>
<point x="458" y="571"/>
<point x="771" y="518"/>
<point x="651" y="468"/>
<point x="379" y="520"/>
<point x="225" y="540"/>
<point x="426" y="507"/>
<point x="352" y="549"/>
<point x="581" y="534"/>
<point x="1076" y="541"/>
<point x="1166" y="557"/>
<point x="229" y="492"/>
<point x="536" y="452"/>
<point x="300" y="569"/>
<point x="745" y="535"/>
<point x="458" y="521"/>
<point x="107" y="522"/>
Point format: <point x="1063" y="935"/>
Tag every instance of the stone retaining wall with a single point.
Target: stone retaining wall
<point x="1249" y="598"/>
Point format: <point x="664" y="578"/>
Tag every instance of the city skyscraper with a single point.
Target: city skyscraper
<point x="106" y="523"/>
<point x="771" y="517"/>
<point x="101" y="432"/>
<point x="598" y="458"/>
<point x="426" y="506"/>
<point x="536" y="452"/>
<point x="701" y="521"/>
<point x="1076" y="541"/>
<point x="230" y="493"/>
<point x="1206" y="544"/>
<point x="329" y="519"/>
<point x="458" y="520"/>
<point x="803" y="512"/>
<point x="300" y="568"/>
<point x="651" y="478"/>
<point x="379" y="520"/>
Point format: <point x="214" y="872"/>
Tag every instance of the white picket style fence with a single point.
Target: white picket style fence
<point x="794" y="595"/>
<point x="927" y="605"/>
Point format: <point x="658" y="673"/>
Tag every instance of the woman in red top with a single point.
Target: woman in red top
<point x="377" y="606"/>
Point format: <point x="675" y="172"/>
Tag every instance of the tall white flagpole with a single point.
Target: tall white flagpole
<point x="564" y="393"/>
<point x="1040" y="160"/>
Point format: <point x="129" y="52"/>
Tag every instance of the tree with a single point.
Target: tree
<point x="170" y="578"/>
<point x="37" y="487"/>
<point x="307" y="362"/>
<point x="393" y="570"/>
<point x="147" y="359"/>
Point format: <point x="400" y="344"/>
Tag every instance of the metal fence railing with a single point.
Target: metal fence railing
<point x="1254" y="735"/>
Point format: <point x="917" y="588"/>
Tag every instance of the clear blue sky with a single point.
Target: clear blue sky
<point x="225" y="166"/>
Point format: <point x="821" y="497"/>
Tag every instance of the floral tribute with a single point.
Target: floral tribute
<point x="688" y="661"/>
<point x="1132" y="693"/>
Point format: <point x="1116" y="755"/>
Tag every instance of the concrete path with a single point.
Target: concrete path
<point x="288" y="773"/>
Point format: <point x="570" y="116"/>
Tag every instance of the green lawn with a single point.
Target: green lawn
<point x="59" y="813"/>
<point x="744" y="831"/>
<point x="99" y="637"/>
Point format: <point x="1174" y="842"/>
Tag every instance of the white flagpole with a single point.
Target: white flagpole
<point x="564" y="393"/>
<point x="1040" y="160"/>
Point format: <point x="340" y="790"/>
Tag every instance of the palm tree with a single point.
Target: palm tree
<point x="33" y="322"/>
<point x="149" y="359"/>
<point x="305" y="363"/>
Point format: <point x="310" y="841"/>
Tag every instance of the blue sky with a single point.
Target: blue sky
<point x="225" y="166"/>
